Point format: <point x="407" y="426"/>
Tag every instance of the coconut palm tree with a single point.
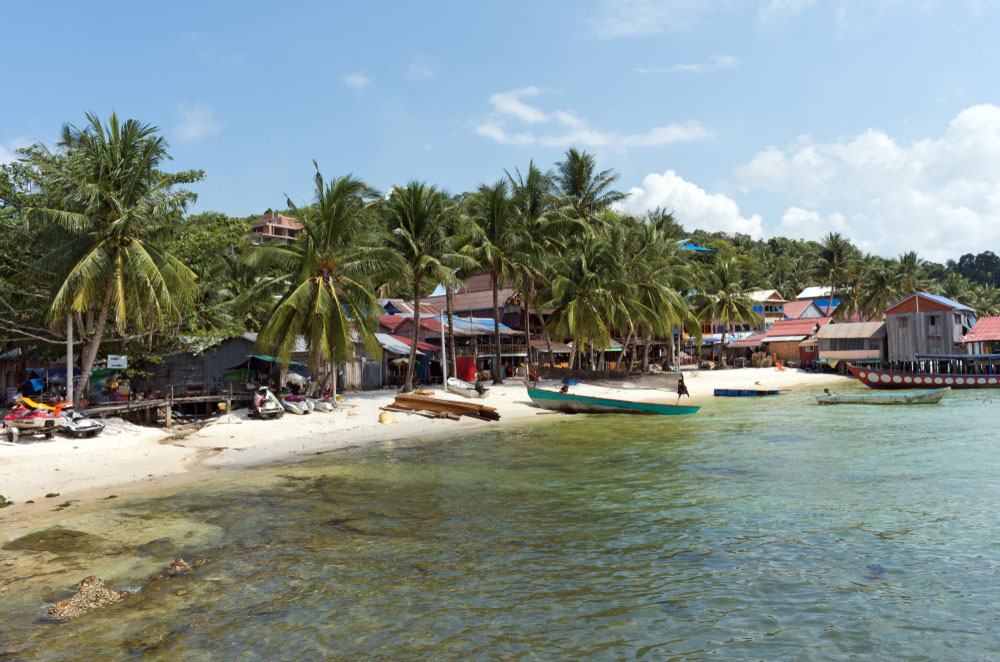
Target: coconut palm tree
<point x="586" y="292"/>
<point x="498" y="241"/>
<point x="416" y="215"/>
<point x="585" y="191"/>
<point x="533" y="201"/>
<point x="724" y="298"/>
<point x="879" y="288"/>
<point x="115" y="204"/>
<point x="912" y="278"/>
<point x="831" y="262"/>
<point x="331" y="266"/>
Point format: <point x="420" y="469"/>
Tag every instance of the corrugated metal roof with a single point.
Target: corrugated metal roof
<point x="813" y="292"/>
<point x="783" y="338"/>
<point x="750" y="341"/>
<point x="853" y="330"/>
<point x="406" y="307"/>
<point x="944" y="301"/>
<point x="985" y="328"/>
<point x="799" y="327"/>
<point x="793" y="310"/>
<point x="766" y="295"/>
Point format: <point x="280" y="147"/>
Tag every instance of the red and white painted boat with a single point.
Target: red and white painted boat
<point x="892" y="379"/>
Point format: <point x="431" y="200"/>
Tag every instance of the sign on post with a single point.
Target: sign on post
<point x="117" y="362"/>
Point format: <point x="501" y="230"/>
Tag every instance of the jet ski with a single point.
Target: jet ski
<point x="320" y="404"/>
<point x="28" y="416"/>
<point x="78" y="425"/>
<point x="265" y="404"/>
<point x="295" y="404"/>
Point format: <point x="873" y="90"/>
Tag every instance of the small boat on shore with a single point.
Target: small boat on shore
<point x="572" y="403"/>
<point x="927" y="397"/>
<point x="459" y="387"/>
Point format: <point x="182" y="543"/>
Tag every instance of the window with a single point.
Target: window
<point x="933" y="320"/>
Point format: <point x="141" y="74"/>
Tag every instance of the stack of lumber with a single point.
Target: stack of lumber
<point x="435" y="408"/>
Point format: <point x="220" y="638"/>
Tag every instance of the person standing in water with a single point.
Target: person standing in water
<point x="682" y="388"/>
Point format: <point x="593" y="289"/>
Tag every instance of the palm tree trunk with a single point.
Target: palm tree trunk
<point x="411" y="364"/>
<point x="497" y="368"/>
<point x="450" y="303"/>
<point x="647" y="339"/>
<point x="600" y="361"/>
<point x="552" y="356"/>
<point x="670" y="346"/>
<point x="527" y="326"/>
<point x="314" y="383"/>
<point x="91" y="354"/>
<point x="573" y="353"/>
<point x="625" y="364"/>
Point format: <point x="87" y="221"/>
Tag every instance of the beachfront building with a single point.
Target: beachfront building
<point x="782" y="340"/>
<point x="275" y="227"/>
<point x="926" y="324"/>
<point x="984" y="337"/>
<point x="854" y="342"/>
<point x="769" y="304"/>
<point x="801" y="309"/>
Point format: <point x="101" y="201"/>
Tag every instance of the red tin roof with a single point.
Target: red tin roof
<point x="985" y="328"/>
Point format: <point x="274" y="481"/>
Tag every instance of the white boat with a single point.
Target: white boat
<point x="928" y="397"/>
<point x="297" y="406"/>
<point x="459" y="387"/>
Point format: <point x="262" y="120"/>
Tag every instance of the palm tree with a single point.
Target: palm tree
<point x="879" y="288"/>
<point x="331" y="264"/>
<point x="416" y="214"/>
<point x="497" y="242"/>
<point x="723" y="298"/>
<point x="585" y="191"/>
<point x="114" y="206"/>
<point x="533" y="199"/>
<point x="831" y="263"/>
<point x="911" y="273"/>
<point x="586" y="291"/>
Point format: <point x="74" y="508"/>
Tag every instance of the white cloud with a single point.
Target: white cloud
<point x="636" y="18"/>
<point x="359" y="82"/>
<point x="511" y="106"/>
<point x="774" y="11"/>
<point x="691" y="205"/>
<point x="8" y="149"/>
<point x="937" y="196"/>
<point x="509" y="103"/>
<point x="714" y="63"/>
<point x="197" y="122"/>
<point x="421" y="68"/>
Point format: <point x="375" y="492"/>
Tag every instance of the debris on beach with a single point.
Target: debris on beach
<point x="437" y="408"/>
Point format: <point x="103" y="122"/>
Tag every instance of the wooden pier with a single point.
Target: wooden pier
<point x="144" y="412"/>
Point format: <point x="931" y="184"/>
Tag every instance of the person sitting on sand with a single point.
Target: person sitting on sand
<point x="682" y="388"/>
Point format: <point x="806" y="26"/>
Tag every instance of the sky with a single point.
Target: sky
<point x="878" y="119"/>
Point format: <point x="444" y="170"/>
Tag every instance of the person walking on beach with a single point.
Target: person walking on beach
<point x="682" y="388"/>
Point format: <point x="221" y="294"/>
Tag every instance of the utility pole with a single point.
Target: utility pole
<point x="69" y="357"/>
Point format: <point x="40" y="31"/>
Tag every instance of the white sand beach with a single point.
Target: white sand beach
<point x="128" y="459"/>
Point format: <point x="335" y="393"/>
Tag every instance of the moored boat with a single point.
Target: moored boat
<point x="895" y="379"/>
<point x="459" y="387"/>
<point x="572" y="403"/>
<point x="926" y="397"/>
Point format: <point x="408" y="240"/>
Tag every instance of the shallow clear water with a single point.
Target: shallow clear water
<point x="758" y="529"/>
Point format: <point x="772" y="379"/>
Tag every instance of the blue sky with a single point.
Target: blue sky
<point x="879" y="119"/>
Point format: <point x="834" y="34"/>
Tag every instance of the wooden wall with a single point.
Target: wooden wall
<point x="909" y="334"/>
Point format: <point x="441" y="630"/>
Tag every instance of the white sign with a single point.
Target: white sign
<point x="117" y="362"/>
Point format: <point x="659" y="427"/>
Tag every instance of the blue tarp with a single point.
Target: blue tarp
<point x="695" y="247"/>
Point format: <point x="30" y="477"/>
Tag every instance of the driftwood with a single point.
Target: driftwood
<point x="422" y="412"/>
<point x="411" y="403"/>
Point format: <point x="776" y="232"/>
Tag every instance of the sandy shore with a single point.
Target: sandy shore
<point x="127" y="458"/>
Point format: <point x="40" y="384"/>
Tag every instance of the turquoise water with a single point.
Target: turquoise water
<point x="759" y="529"/>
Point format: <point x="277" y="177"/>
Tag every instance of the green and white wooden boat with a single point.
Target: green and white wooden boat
<point x="571" y="403"/>
<point x="928" y="397"/>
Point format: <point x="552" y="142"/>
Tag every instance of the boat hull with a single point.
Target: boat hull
<point x="581" y="404"/>
<point x="459" y="387"/>
<point x="928" y="397"/>
<point x="887" y="379"/>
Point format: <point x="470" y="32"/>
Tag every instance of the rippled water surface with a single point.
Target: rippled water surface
<point x="761" y="529"/>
